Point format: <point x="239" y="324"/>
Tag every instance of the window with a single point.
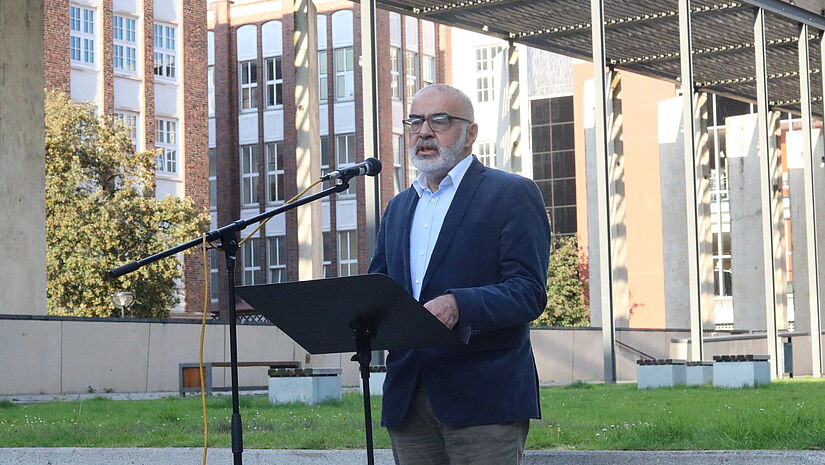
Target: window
<point x="428" y="71"/>
<point x="487" y="154"/>
<point x="277" y="259"/>
<point x="347" y="253"/>
<point x="323" y="76"/>
<point x="485" y="77"/>
<point x="395" y="70"/>
<point x="325" y="158"/>
<point x="344" y="77"/>
<point x="411" y="69"/>
<point x="82" y="35"/>
<point x="328" y="270"/>
<point x="249" y="175"/>
<point x="125" y="44"/>
<point x="213" y="179"/>
<point x="398" y="161"/>
<point x="166" y="140"/>
<point x="214" y="284"/>
<point x="554" y="161"/>
<point x="210" y="82"/>
<point x="165" y="56"/>
<point x="251" y="262"/>
<point x="275" y="171"/>
<point x="249" y="82"/>
<point x="129" y="121"/>
<point x="274" y="82"/>
<point x="345" y="156"/>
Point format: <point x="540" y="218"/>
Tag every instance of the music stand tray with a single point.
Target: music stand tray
<point x="354" y="313"/>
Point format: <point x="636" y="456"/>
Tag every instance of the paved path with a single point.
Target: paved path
<point x="185" y="456"/>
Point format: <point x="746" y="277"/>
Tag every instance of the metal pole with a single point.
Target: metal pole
<point x="765" y="147"/>
<point x="602" y="155"/>
<point x="689" y="103"/>
<point x="810" y="201"/>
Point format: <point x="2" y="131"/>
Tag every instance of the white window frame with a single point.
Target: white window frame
<point x="345" y="156"/>
<point x="344" y="74"/>
<point x="347" y="264"/>
<point x="399" y="160"/>
<point x="165" y="47"/>
<point x="327" y="254"/>
<point x="274" y="89"/>
<point x="485" y="72"/>
<point x="249" y="174"/>
<point x="275" y="172"/>
<point x="166" y="139"/>
<point x="323" y="76"/>
<point x="487" y="153"/>
<point x="210" y="90"/>
<point x="213" y="178"/>
<point x="250" y="262"/>
<point x="248" y="80"/>
<point x="395" y="71"/>
<point x="214" y="284"/>
<point x="82" y="35"/>
<point x="124" y="41"/>
<point x="276" y="259"/>
<point x="131" y="121"/>
<point x="427" y="70"/>
<point x="410" y="74"/>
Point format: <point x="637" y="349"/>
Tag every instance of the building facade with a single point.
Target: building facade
<point x="252" y="139"/>
<point x="142" y="62"/>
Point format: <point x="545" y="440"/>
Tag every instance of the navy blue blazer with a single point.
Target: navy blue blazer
<point x="492" y="254"/>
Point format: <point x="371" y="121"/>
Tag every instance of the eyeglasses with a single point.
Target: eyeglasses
<point x="438" y="122"/>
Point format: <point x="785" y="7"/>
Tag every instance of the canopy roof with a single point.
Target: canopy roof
<point x="643" y="36"/>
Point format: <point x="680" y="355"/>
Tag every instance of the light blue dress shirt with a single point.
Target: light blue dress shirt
<point x="429" y="217"/>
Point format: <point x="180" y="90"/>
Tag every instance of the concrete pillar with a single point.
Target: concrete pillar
<point x="801" y="256"/>
<point x="618" y="220"/>
<point x="513" y="153"/>
<point x="22" y="157"/>
<point x="747" y="267"/>
<point x="674" y="215"/>
<point x="307" y="141"/>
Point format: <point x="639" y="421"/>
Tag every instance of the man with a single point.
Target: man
<point x="472" y="244"/>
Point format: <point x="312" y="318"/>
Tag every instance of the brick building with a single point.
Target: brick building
<point x="143" y="62"/>
<point x="251" y="125"/>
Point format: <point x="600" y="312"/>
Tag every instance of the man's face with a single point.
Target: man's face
<point x="436" y="153"/>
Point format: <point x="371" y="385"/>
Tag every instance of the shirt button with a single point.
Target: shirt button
<point x="426" y="226"/>
<point x="432" y="200"/>
<point x="418" y="281"/>
<point x="421" y="252"/>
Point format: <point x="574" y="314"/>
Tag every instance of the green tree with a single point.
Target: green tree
<point x="567" y="296"/>
<point x="101" y="213"/>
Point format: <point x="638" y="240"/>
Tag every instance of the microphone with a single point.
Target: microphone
<point x="371" y="167"/>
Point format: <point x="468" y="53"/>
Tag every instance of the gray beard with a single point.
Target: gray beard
<point x="440" y="165"/>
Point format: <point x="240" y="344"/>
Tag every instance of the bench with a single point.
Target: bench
<point x="189" y="377"/>
<point x="737" y="371"/>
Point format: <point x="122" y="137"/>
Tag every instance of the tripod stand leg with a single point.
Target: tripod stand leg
<point x="363" y="356"/>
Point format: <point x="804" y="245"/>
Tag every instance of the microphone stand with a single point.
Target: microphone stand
<point x="229" y="243"/>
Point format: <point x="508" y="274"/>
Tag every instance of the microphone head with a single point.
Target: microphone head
<point x="373" y="166"/>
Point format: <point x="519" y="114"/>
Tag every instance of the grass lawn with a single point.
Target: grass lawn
<point x="784" y="415"/>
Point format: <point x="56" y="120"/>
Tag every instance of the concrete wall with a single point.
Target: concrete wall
<point x="22" y="177"/>
<point x="65" y="355"/>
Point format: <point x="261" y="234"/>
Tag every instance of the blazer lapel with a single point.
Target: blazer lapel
<point x="461" y="202"/>
<point x="409" y="210"/>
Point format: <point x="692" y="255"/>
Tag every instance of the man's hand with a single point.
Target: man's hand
<point x="445" y="308"/>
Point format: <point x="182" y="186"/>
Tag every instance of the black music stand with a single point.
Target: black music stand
<point x="355" y="313"/>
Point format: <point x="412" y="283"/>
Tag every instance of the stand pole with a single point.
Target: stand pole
<point x="229" y="243"/>
<point x="363" y="356"/>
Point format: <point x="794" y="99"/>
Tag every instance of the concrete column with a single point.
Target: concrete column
<point x="618" y="220"/>
<point x="801" y="257"/>
<point x="307" y="141"/>
<point x="747" y="268"/>
<point x="513" y="153"/>
<point x="674" y="215"/>
<point x="22" y="157"/>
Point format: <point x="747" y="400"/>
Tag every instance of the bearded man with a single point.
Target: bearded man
<point x="472" y="244"/>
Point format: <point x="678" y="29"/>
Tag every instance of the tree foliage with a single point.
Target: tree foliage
<point x="101" y="213"/>
<point x="567" y="292"/>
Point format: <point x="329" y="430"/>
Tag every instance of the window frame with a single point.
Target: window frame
<point x="165" y="52"/>
<point x="84" y="34"/>
<point x="124" y="39"/>
<point x="277" y="175"/>
<point x="273" y="85"/>
<point x="248" y="86"/>
<point x="249" y="179"/>
<point x="276" y="244"/>
<point x="344" y="77"/>
<point x="166" y="139"/>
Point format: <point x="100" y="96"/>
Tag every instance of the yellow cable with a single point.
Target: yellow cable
<point x="200" y="355"/>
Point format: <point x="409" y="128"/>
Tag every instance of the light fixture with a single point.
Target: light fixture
<point x="123" y="300"/>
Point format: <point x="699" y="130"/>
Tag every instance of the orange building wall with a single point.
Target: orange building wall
<point x="640" y="96"/>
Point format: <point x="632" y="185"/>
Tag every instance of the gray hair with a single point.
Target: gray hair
<point x="466" y="103"/>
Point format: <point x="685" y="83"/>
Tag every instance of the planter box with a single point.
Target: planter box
<point x="741" y="371"/>
<point x="308" y="386"/>
<point x="660" y="373"/>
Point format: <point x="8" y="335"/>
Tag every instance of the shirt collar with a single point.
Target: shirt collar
<point x="454" y="176"/>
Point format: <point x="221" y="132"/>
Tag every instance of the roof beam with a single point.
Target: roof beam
<point x="739" y="80"/>
<point x="461" y="6"/>
<point x="791" y="12"/>
<point x="708" y="51"/>
<point x="615" y="23"/>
